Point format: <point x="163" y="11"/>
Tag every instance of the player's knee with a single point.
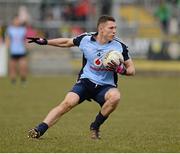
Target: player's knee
<point x="68" y="105"/>
<point x="114" y="99"/>
<point x="115" y="102"/>
<point x="115" y="96"/>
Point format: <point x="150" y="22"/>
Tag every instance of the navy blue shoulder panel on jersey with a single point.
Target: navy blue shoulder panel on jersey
<point x="125" y="49"/>
<point x="78" y="39"/>
<point x="125" y="52"/>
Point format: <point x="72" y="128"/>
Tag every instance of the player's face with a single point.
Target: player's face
<point x="16" y="21"/>
<point x="108" y="30"/>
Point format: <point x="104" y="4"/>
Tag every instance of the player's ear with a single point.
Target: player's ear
<point x="100" y="27"/>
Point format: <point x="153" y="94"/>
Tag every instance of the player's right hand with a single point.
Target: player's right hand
<point x="40" y="41"/>
<point x="121" y="69"/>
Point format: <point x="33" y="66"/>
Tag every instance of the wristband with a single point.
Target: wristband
<point x="42" y="41"/>
<point x="121" y="69"/>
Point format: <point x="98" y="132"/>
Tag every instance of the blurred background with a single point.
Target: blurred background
<point x="149" y="28"/>
<point x="146" y="120"/>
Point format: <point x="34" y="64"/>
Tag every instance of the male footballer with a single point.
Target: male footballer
<point x="95" y="82"/>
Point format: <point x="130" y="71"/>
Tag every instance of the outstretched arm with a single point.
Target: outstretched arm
<point x="59" y="42"/>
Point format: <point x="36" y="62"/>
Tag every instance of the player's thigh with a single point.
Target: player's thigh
<point x="80" y="88"/>
<point x="113" y="95"/>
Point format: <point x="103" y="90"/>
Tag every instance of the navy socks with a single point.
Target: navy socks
<point x="98" y="121"/>
<point x="42" y="128"/>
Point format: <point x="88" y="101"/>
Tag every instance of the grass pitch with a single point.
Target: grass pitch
<point x="147" y="119"/>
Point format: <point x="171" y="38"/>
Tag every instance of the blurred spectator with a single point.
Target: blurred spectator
<point x="65" y="30"/>
<point x="56" y="11"/>
<point x="173" y="26"/>
<point x="82" y="10"/>
<point x="69" y="12"/>
<point x="163" y="13"/>
<point x="15" y="41"/>
<point x="50" y="31"/>
<point x="76" y="30"/>
<point x="106" y="6"/>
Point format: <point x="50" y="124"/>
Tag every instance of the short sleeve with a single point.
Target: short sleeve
<point x="77" y="40"/>
<point x="125" y="52"/>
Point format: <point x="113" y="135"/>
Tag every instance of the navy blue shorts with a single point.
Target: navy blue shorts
<point x="17" y="57"/>
<point x="88" y="90"/>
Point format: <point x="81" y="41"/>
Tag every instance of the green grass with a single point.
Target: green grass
<point x="147" y="119"/>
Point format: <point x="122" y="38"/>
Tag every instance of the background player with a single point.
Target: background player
<point x="15" y="41"/>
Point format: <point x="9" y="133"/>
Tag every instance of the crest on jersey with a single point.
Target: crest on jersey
<point x="97" y="62"/>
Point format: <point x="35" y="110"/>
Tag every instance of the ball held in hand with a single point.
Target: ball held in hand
<point x="113" y="58"/>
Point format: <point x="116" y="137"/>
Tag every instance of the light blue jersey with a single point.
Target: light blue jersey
<point x="17" y="40"/>
<point x="93" y="53"/>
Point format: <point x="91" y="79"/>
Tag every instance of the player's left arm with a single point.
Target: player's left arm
<point x="130" y="68"/>
<point x="7" y="41"/>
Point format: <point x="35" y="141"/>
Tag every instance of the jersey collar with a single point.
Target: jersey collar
<point x="93" y="37"/>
